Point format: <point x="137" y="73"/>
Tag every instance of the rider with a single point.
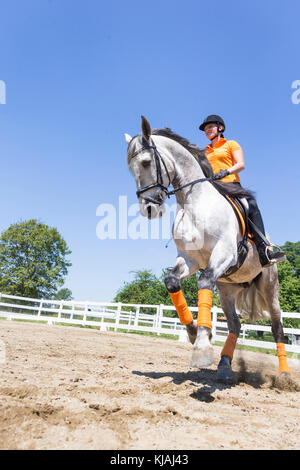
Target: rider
<point x="227" y="160"/>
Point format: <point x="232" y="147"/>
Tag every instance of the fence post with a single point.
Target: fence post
<point x="161" y="314"/>
<point x="156" y="320"/>
<point x="129" y="320"/>
<point x="59" y="311"/>
<point x="85" y="314"/>
<point x="40" y="308"/>
<point x="72" y="311"/>
<point x="118" y="313"/>
<point x="214" y="322"/>
<point x="137" y="313"/>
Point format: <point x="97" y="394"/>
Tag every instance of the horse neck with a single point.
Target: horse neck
<point x="184" y="168"/>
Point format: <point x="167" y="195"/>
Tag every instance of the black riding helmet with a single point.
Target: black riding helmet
<point x="212" y="118"/>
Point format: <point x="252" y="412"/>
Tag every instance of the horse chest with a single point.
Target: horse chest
<point x="185" y="231"/>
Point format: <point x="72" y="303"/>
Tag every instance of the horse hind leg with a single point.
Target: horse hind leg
<point x="268" y="286"/>
<point x="227" y="300"/>
<point x="278" y="334"/>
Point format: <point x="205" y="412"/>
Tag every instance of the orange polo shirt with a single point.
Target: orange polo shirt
<point x="220" y="157"/>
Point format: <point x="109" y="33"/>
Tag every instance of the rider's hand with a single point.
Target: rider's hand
<point x="221" y="174"/>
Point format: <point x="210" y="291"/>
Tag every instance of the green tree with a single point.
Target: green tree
<point x="145" y="288"/>
<point x="292" y="251"/>
<point x="63" y="294"/>
<point x="289" y="292"/>
<point x="32" y="260"/>
<point x="289" y="288"/>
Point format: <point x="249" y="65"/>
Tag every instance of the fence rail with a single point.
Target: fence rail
<point x="131" y="317"/>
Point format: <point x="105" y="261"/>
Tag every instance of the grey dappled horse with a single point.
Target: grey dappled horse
<point x="206" y="232"/>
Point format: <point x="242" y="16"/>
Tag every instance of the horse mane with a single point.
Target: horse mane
<point x="200" y="155"/>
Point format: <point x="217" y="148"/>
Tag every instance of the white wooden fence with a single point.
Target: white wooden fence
<point x="130" y="317"/>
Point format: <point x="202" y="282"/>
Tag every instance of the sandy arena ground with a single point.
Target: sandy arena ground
<point x="75" y="388"/>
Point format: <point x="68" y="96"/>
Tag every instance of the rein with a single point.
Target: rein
<point x="159" y="182"/>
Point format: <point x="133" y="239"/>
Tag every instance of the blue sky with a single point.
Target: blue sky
<point x="79" y="74"/>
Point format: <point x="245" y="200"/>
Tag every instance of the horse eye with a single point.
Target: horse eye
<point x="146" y="163"/>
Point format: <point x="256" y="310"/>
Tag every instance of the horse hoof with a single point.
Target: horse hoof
<point x="224" y="373"/>
<point x="191" y="330"/>
<point x="202" y="358"/>
<point x="285" y="375"/>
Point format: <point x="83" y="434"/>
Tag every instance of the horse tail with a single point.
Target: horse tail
<point x="250" y="303"/>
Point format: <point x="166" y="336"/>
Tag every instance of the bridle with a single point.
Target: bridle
<point x="159" y="179"/>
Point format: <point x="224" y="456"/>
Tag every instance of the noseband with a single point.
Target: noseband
<point x="159" y="179"/>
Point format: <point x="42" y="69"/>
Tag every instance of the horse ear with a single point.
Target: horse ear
<point x="128" y="138"/>
<point x="146" y="128"/>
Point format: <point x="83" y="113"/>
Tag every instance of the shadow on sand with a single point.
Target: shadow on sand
<point x="207" y="379"/>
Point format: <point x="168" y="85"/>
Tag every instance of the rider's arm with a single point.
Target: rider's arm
<point x="239" y="164"/>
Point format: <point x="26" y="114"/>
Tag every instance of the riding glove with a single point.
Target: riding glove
<point x="221" y="174"/>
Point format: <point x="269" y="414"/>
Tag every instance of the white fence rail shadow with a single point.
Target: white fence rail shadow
<point x="131" y="317"/>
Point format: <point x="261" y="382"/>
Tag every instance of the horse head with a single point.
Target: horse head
<point x="150" y="171"/>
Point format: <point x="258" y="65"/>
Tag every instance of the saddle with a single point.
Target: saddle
<point x="241" y="212"/>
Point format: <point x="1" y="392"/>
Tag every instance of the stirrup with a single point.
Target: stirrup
<point x="271" y="261"/>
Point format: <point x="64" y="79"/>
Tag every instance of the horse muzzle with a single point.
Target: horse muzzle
<point x="152" y="205"/>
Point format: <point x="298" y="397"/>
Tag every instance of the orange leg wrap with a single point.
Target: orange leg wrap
<point x="204" y="308"/>
<point x="182" y="309"/>
<point x="229" y="345"/>
<point x="283" y="367"/>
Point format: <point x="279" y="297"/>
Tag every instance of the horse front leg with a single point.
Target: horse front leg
<point x="173" y="279"/>
<point x="203" y="354"/>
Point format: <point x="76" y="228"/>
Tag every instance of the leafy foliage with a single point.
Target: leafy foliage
<point x="145" y="288"/>
<point x="63" y="294"/>
<point x="292" y="251"/>
<point x="289" y="293"/>
<point x="32" y="260"/>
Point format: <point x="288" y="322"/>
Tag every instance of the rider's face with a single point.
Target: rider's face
<point x="211" y="130"/>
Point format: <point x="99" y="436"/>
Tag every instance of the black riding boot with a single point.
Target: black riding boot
<point x="267" y="256"/>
